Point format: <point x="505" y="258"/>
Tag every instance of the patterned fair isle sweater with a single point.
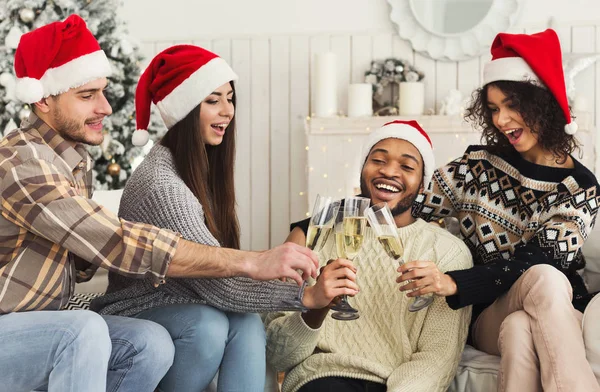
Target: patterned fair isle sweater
<point x="513" y="214"/>
<point x="408" y="352"/>
<point x="155" y="194"/>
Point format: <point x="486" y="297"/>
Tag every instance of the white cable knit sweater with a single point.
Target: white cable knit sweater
<point x="387" y="344"/>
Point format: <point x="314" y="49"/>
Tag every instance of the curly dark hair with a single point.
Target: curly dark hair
<point x="540" y="112"/>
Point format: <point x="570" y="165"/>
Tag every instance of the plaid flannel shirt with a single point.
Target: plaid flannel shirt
<point x="52" y="234"/>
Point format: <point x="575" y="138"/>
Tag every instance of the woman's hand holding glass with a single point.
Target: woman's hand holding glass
<point x="384" y="227"/>
<point x="425" y="277"/>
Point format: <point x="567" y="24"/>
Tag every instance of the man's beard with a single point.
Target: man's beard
<point x="70" y="129"/>
<point x="401" y="207"/>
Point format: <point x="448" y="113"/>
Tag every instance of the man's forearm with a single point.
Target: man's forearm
<point x="192" y="260"/>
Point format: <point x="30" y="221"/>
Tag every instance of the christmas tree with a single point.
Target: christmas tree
<point x="115" y="157"/>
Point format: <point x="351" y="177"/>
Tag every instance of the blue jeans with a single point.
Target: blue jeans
<point x="208" y="340"/>
<point x="78" y="350"/>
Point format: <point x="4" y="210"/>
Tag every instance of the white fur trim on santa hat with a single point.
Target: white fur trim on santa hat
<point x="411" y="135"/>
<point x="508" y="68"/>
<point x="29" y="90"/>
<point x="140" y="137"/>
<point x="185" y="97"/>
<point x="70" y="75"/>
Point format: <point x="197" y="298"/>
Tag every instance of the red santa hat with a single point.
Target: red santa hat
<point x="176" y="81"/>
<point x="56" y="57"/>
<point x="410" y="131"/>
<point x="537" y="58"/>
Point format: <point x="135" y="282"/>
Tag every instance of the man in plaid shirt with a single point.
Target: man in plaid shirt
<point x="52" y="235"/>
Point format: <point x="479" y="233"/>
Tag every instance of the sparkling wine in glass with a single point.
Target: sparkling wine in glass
<point x="320" y="225"/>
<point x="317" y="237"/>
<point x="338" y="233"/>
<point x="383" y="225"/>
<point x="353" y="229"/>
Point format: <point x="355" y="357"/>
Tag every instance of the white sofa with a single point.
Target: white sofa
<point x="477" y="371"/>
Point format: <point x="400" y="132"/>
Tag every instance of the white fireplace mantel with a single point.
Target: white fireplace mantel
<point x="334" y="144"/>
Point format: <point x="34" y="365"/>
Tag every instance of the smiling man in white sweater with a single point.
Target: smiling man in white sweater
<point x="388" y="348"/>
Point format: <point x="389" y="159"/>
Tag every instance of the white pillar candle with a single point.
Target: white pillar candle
<point x="324" y="91"/>
<point x="360" y="100"/>
<point x="412" y="98"/>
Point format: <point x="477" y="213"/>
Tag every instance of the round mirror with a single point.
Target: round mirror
<point x="450" y="16"/>
<point x="452" y="30"/>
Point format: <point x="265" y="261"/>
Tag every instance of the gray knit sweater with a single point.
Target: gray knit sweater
<point x="155" y="194"/>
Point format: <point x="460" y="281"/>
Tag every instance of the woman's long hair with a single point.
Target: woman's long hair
<point x="208" y="172"/>
<point x="539" y="109"/>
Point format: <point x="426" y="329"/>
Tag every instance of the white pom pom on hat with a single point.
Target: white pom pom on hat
<point x="140" y="137"/>
<point x="571" y="128"/>
<point x="29" y="90"/>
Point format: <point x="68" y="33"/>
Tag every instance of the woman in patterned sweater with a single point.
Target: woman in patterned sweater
<point x="525" y="207"/>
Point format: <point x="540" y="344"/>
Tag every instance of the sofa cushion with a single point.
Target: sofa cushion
<point x="109" y="199"/>
<point x="591" y="252"/>
<point x="477" y="371"/>
<point x="81" y="301"/>
<point x="591" y="334"/>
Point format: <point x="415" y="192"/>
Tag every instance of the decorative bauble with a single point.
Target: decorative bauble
<point x="6" y="79"/>
<point x="126" y="47"/>
<point x="24" y="113"/>
<point x="27" y="15"/>
<point x="412" y="76"/>
<point x="13" y="37"/>
<point x="113" y="169"/>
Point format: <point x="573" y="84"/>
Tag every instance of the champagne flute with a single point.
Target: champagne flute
<point x="320" y="225"/>
<point x="383" y="225"/>
<point x="338" y="233"/>
<point x="353" y="226"/>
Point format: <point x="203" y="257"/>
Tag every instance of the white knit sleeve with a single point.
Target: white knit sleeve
<point x="289" y="340"/>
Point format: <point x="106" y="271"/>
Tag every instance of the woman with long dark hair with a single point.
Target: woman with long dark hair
<point x="525" y="207"/>
<point x="186" y="184"/>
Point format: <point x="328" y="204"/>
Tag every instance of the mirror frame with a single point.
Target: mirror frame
<point x="455" y="46"/>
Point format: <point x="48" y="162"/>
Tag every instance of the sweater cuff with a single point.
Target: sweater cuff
<point x="163" y="249"/>
<point x="291" y="300"/>
<point x="469" y="289"/>
<point x="301" y="331"/>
